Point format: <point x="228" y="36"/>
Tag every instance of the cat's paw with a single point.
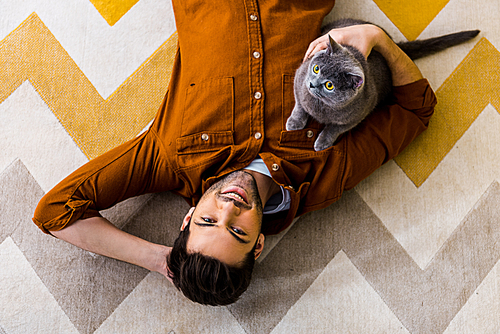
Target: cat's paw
<point x="294" y="124"/>
<point x="320" y="146"/>
<point x="326" y="137"/>
<point x="323" y="142"/>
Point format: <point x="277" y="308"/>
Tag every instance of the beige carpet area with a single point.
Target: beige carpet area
<point x="415" y="248"/>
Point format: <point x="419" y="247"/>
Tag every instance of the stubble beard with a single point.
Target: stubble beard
<point x="240" y="179"/>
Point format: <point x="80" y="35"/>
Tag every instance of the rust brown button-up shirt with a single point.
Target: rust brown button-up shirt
<point x="230" y="94"/>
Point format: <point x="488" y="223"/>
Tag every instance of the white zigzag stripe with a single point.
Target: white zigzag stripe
<point x="422" y="219"/>
<point x="30" y="131"/>
<point x="369" y="12"/>
<point x="28" y="306"/>
<point x="480" y="313"/>
<point x="167" y="313"/>
<point x="337" y="291"/>
<point x="107" y="55"/>
<point x="456" y="16"/>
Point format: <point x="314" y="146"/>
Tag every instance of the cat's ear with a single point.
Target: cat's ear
<point x="356" y="81"/>
<point x="333" y="46"/>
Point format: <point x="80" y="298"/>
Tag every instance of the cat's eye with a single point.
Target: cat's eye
<point x="316" y="69"/>
<point x="329" y="85"/>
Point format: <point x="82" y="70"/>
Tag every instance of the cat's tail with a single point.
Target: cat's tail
<point x="422" y="48"/>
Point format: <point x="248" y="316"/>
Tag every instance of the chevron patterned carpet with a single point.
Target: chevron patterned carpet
<point x="413" y="249"/>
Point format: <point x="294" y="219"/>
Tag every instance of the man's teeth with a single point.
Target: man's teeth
<point x="235" y="195"/>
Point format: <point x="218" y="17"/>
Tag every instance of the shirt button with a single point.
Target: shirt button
<point x="256" y="55"/>
<point x="253" y="17"/>
<point x="310" y="134"/>
<point x="257" y="95"/>
<point x="275" y="167"/>
<point x="291" y="188"/>
<point x="258" y="135"/>
<point x="204" y="137"/>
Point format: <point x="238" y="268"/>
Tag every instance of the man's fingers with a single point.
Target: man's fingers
<point x="319" y="47"/>
<point x="314" y="47"/>
<point x="309" y="50"/>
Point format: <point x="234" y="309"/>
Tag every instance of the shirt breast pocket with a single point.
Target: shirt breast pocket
<point x="207" y="124"/>
<point x="209" y="106"/>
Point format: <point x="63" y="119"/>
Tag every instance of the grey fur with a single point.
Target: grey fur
<point x="359" y="85"/>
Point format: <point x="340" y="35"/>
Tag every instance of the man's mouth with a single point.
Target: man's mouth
<point x="236" y="193"/>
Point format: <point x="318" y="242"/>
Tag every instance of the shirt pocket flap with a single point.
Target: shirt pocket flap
<point x="204" y="142"/>
<point x="299" y="138"/>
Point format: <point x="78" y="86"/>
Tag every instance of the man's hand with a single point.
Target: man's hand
<point x="368" y="37"/>
<point x="161" y="262"/>
<point x="362" y="37"/>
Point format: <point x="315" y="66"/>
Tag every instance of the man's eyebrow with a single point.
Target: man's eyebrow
<point x="204" y="224"/>
<point x="241" y="241"/>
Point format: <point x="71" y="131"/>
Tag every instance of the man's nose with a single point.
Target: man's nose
<point x="229" y="208"/>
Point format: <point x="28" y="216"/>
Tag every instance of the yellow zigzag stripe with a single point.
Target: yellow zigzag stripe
<point x="461" y="98"/>
<point x="32" y="53"/>
<point x="112" y="10"/>
<point x="411" y="17"/>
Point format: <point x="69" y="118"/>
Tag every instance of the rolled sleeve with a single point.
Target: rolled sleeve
<point x="388" y="130"/>
<point x="417" y="97"/>
<point x="129" y="170"/>
<point x="54" y="215"/>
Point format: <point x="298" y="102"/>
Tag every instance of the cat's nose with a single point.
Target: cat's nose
<point x="311" y="85"/>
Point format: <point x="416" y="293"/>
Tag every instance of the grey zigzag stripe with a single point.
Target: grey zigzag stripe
<point x="87" y="287"/>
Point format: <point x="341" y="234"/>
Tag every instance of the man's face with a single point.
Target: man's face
<point x="226" y="222"/>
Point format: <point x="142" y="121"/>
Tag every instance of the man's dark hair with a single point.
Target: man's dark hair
<point x="205" y="279"/>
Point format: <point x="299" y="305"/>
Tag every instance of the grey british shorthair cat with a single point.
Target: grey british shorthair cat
<point x="338" y="87"/>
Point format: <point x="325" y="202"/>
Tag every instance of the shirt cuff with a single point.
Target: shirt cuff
<point x="417" y="96"/>
<point x="73" y="211"/>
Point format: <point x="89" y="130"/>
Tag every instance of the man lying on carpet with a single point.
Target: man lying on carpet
<point x="219" y="140"/>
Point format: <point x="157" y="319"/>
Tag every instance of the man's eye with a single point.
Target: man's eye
<point x="207" y="220"/>
<point x="238" y="231"/>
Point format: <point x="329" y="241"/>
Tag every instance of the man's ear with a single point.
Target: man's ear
<point x="260" y="246"/>
<point x="187" y="218"/>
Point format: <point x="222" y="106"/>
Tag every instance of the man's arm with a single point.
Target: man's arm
<point x="99" y="236"/>
<point x="369" y="37"/>
<point x="70" y="211"/>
